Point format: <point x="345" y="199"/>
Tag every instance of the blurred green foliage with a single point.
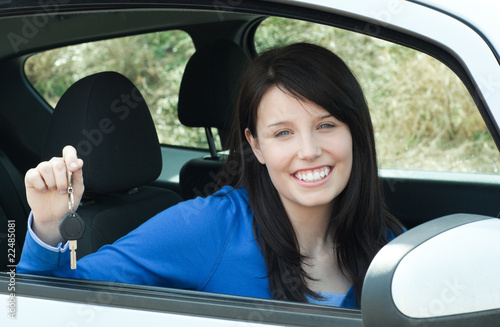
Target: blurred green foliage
<point x="423" y="116"/>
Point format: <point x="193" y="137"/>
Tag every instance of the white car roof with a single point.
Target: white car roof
<point x="483" y="15"/>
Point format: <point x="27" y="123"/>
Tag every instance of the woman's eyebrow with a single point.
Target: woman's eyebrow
<point x="286" y="122"/>
<point x="278" y="123"/>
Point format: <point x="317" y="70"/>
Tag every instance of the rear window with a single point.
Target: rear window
<point x="154" y="62"/>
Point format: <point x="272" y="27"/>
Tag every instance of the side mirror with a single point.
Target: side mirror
<point x="445" y="272"/>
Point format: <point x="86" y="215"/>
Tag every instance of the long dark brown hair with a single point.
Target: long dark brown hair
<point x="360" y="223"/>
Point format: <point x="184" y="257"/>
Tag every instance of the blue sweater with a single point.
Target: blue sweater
<point x="204" y="244"/>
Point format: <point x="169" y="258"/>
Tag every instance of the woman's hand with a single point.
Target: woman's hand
<point x="46" y="191"/>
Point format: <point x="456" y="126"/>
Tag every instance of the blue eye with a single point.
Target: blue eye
<point x="282" y="133"/>
<point x="326" y="125"/>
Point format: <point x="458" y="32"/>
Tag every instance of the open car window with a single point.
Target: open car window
<point x="424" y="117"/>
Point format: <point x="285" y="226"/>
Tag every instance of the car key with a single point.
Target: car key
<point x="72" y="225"/>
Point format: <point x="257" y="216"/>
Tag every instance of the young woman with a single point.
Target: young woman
<point x="301" y="219"/>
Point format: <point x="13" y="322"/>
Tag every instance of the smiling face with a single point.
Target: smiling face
<point x="307" y="151"/>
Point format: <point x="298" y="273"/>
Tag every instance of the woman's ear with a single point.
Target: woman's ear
<point x="254" y="143"/>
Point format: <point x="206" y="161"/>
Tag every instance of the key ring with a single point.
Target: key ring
<point x="71" y="197"/>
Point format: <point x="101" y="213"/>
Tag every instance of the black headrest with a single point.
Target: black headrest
<point x="209" y="85"/>
<point x="106" y="119"/>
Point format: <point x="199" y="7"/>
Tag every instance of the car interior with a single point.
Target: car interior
<point x="212" y="73"/>
<point x="118" y="197"/>
<point x="124" y="192"/>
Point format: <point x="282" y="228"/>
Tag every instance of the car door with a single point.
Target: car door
<point x="415" y="195"/>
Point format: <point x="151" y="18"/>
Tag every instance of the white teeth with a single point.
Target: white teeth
<point x="313" y="176"/>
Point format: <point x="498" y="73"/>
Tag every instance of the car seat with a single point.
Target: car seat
<point x="107" y="120"/>
<point x="14" y="212"/>
<point x="207" y="99"/>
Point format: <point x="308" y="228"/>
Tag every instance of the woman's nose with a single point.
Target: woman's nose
<point x="309" y="148"/>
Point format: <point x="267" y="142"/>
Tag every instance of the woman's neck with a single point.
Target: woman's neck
<point x="311" y="226"/>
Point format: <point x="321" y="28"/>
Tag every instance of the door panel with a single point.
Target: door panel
<point x="415" y="197"/>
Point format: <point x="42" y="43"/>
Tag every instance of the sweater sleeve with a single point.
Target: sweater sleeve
<point x="180" y="247"/>
<point x="38" y="257"/>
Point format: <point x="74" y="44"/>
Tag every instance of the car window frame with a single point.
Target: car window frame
<point x="184" y="302"/>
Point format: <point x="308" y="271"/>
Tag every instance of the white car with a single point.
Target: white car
<point x="431" y="73"/>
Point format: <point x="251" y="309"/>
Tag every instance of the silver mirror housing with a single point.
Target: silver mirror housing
<point x="445" y="272"/>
